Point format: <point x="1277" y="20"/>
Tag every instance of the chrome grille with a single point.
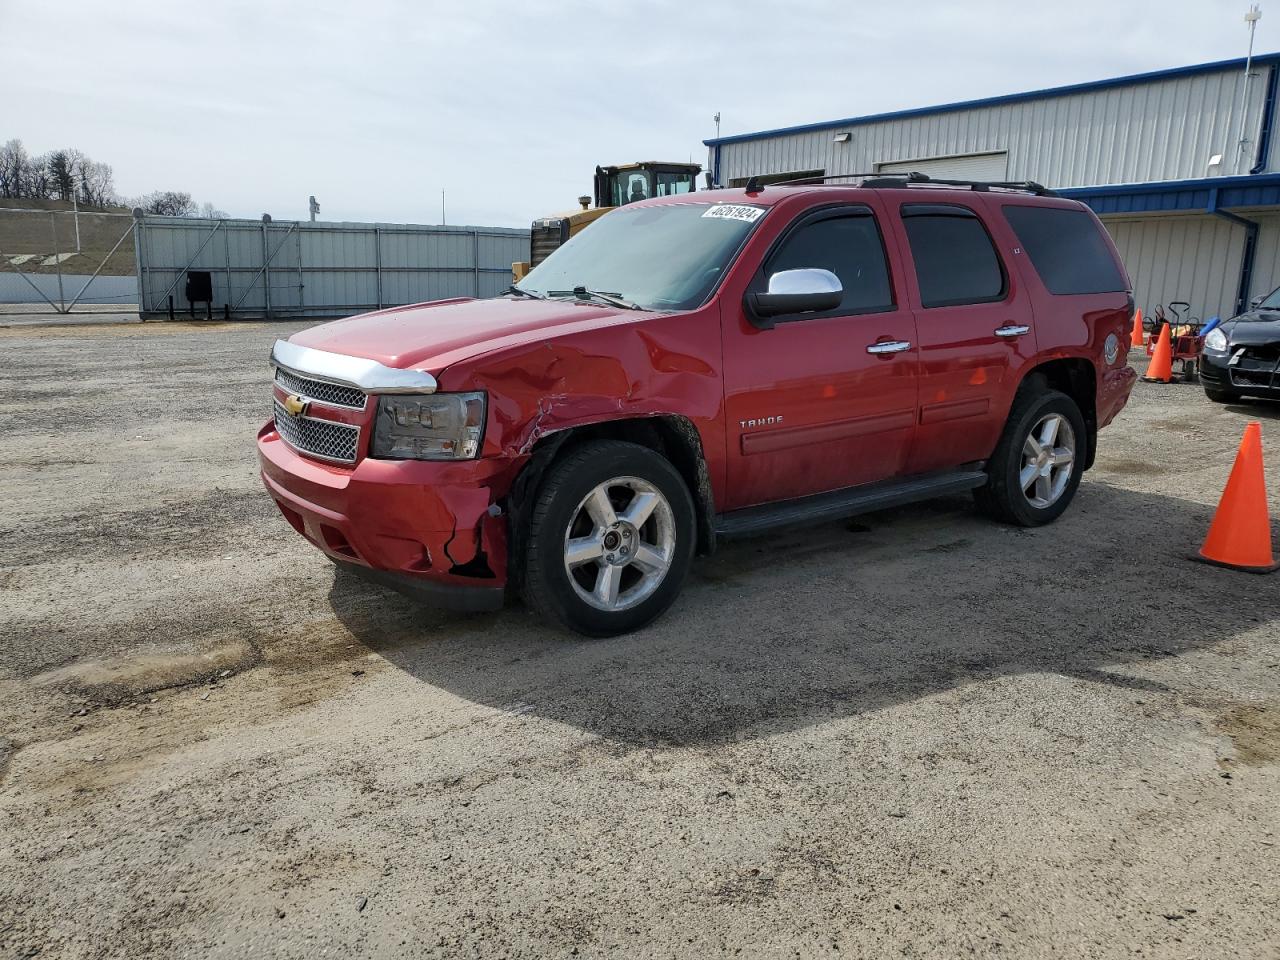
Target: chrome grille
<point x="331" y="393"/>
<point x="319" y="438"/>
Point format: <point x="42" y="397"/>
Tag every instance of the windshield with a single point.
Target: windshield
<point x="1271" y="301"/>
<point x="659" y="258"/>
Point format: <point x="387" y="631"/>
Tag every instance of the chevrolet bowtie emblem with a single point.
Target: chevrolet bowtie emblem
<point x="294" y="405"/>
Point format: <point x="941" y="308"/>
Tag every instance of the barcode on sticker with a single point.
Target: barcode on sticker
<point x="734" y="211"/>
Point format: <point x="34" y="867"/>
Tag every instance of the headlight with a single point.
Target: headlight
<point x="1216" y="341"/>
<point x="437" y="426"/>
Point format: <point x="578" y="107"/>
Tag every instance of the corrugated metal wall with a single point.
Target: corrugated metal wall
<point x="1163" y="129"/>
<point x="319" y="269"/>
<point x="1194" y="258"/>
<point x="1266" y="261"/>
<point x="978" y="166"/>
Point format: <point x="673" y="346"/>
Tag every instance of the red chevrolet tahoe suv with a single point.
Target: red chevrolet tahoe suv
<point x="703" y="366"/>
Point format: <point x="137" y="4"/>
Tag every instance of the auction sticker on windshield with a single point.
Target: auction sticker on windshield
<point x="734" y="211"/>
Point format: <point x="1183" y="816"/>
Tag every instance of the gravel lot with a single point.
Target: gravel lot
<point x="917" y="734"/>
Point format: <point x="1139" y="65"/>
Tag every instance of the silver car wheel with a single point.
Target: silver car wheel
<point x="619" y="543"/>
<point x="1048" y="458"/>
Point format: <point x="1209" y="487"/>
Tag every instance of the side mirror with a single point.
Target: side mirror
<point x="806" y="290"/>
<point x="1256" y="302"/>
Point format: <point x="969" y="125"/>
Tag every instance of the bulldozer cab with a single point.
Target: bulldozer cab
<point x="614" y="187"/>
<point x="630" y="182"/>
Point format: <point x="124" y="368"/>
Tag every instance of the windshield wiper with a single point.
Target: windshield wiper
<point x="524" y="293"/>
<point x="582" y="293"/>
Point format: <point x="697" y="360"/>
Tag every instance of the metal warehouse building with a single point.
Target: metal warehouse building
<point x="1178" y="163"/>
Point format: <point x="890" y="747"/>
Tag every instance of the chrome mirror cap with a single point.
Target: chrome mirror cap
<point x="807" y="280"/>
<point x="367" y="375"/>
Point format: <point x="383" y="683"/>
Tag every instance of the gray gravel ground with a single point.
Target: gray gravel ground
<point x="917" y="734"/>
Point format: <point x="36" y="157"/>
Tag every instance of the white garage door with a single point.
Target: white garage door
<point x="973" y="166"/>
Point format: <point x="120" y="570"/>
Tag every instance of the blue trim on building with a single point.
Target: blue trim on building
<point x="1250" y="246"/>
<point x="1262" y="190"/>
<point x="1192" y="70"/>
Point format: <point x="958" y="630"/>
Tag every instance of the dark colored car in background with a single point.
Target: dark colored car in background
<point x="1242" y="356"/>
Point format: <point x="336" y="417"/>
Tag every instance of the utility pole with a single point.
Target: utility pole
<point x="717" y="120"/>
<point x="75" y="207"/>
<point x="1251" y="18"/>
<point x="443" y="221"/>
<point x="313" y="206"/>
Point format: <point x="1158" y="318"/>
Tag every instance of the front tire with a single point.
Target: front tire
<point x="1221" y="396"/>
<point x="1037" y="465"/>
<point x="610" y="540"/>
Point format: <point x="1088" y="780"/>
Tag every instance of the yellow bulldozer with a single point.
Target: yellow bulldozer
<point x="614" y="187"/>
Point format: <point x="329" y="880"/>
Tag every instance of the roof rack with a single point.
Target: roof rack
<point x="915" y="178"/>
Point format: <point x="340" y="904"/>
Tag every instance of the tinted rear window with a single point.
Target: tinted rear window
<point x="1067" y="249"/>
<point x="955" y="260"/>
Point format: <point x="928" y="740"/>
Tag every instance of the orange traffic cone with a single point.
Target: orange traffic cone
<point x="1136" y="339"/>
<point x="1160" y="370"/>
<point x="1240" y="534"/>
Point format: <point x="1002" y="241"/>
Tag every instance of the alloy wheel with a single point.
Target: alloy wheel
<point x="1048" y="458"/>
<point x="619" y="543"/>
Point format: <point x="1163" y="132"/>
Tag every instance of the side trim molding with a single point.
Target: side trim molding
<point x="954" y="410"/>
<point x="769" y="441"/>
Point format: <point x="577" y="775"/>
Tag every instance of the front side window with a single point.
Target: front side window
<point x="658" y="257"/>
<point x="1066" y="248"/>
<point x="850" y="247"/>
<point x="955" y="260"/>
<point x="631" y="187"/>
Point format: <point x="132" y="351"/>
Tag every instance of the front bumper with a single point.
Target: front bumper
<point x="431" y="530"/>
<point x="1249" y="374"/>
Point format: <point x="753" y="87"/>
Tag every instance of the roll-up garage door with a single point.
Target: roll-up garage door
<point x="973" y="166"/>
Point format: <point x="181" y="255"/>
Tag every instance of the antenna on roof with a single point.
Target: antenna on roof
<point x="753" y="185"/>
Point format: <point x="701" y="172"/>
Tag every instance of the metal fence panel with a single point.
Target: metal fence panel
<point x="288" y="268"/>
<point x="118" y="290"/>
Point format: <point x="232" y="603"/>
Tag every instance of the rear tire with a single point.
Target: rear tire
<point x="611" y="538"/>
<point x="1037" y="465"/>
<point x="1221" y="396"/>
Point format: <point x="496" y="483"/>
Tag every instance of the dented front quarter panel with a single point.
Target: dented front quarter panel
<point x="650" y="366"/>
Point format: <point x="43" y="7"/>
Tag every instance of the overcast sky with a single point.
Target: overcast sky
<point x="376" y="105"/>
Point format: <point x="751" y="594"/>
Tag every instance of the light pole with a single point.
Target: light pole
<point x="1251" y="18"/>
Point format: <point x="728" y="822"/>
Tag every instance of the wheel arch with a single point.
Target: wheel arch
<point x="670" y="435"/>
<point x="1077" y="378"/>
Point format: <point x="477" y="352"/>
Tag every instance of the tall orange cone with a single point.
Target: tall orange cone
<point x="1240" y="534"/>
<point x="1160" y="370"/>
<point x="1136" y="339"/>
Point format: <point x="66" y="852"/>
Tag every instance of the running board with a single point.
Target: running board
<point x="846" y="502"/>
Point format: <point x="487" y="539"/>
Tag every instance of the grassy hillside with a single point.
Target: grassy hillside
<point x="34" y="230"/>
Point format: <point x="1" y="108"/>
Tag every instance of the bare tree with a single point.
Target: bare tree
<point x="94" y="181"/>
<point x="210" y="212"/>
<point x="167" y="203"/>
<point x="15" y="169"/>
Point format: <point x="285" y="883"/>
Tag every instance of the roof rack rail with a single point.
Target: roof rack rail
<point x="834" y="176"/>
<point x="908" y="178"/>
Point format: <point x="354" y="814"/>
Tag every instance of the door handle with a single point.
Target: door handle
<point x="1012" y="330"/>
<point x="889" y="346"/>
